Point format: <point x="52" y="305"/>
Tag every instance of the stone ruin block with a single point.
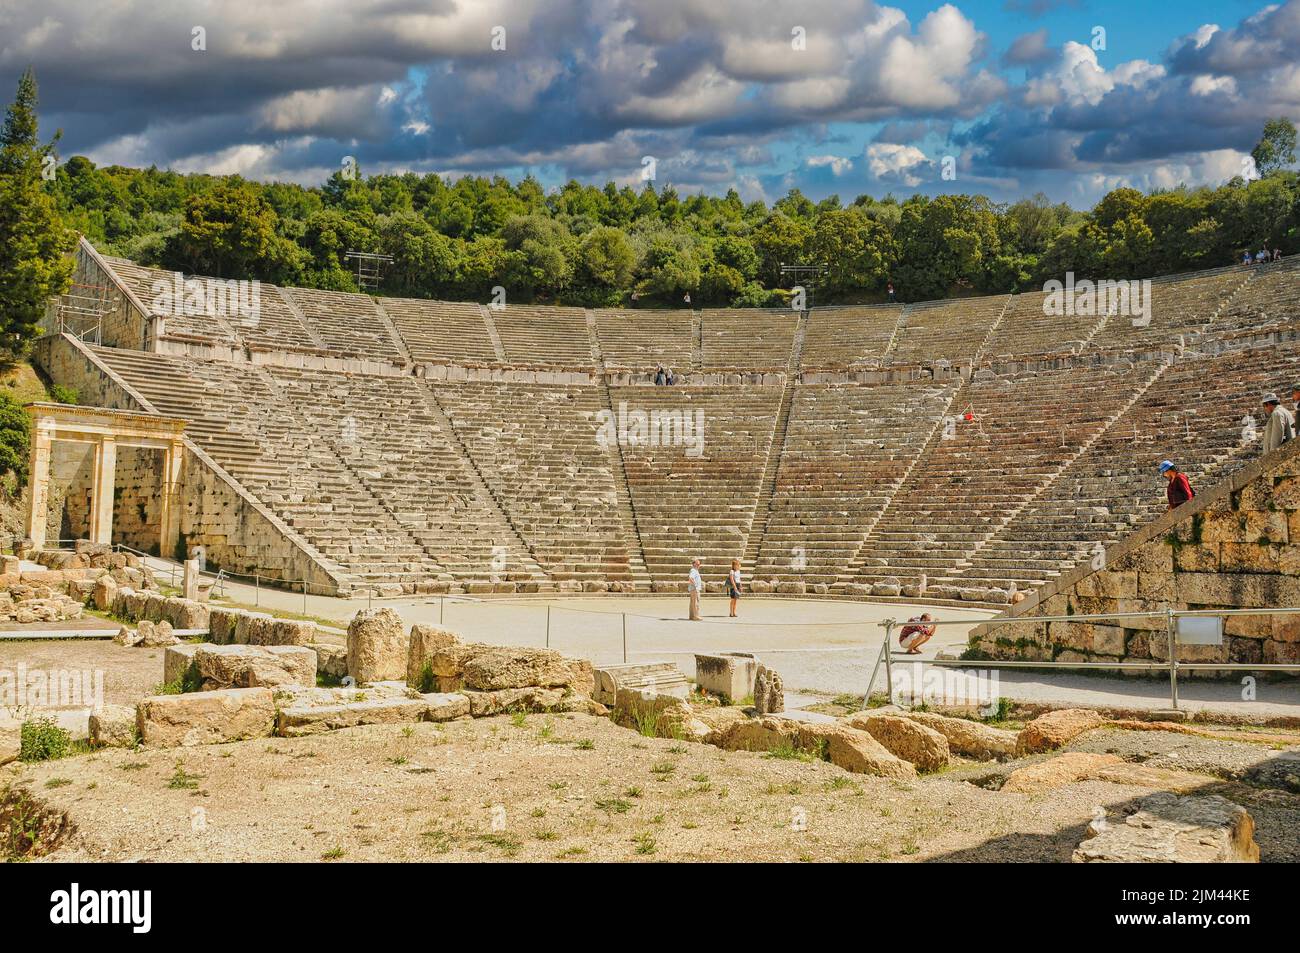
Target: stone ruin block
<point x="727" y="674"/>
<point x="661" y="678"/>
<point x="769" y="691"/>
<point x="1178" y="829"/>
<point x="252" y="666"/>
<point x="200" y="718"/>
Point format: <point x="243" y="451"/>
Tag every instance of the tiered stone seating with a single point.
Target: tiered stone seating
<point x="847" y="337"/>
<point x="1025" y="331"/>
<point x="245" y="427"/>
<point x="1194" y="415"/>
<point x="535" y="335"/>
<point x="699" y="506"/>
<point x="1268" y="301"/>
<point x="442" y="331"/>
<point x="644" y="339"/>
<point x="1021" y="431"/>
<point x="347" y="323"/>
<point x="950" y="331"/>
<point x="846" y="449"/>
<point x="1180" y="307"/>
<point x="536" y="447"/>
<point x="387" y="431"/>
<point x="746" y="339"/>
<point x="273" y="325"/>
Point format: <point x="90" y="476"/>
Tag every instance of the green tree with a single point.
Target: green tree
<point x="14" y="439"/>
<point x="34" y="243"/>
<point x="1276" y="147"/>
<point x="228" y="232"/>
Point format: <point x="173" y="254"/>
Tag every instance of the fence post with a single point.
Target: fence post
<point x="548" y="625"/>
<point x="625" y="638"/>
<point x="1173" y="658"/>
<point x="442" y="601"/>
<point x="304" y="595"/>
<point x="257" y="590"/>
<point x="889" y="666"/>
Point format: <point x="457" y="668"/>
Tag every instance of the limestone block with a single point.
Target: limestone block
<point x="426" y="641"/>
<point x="729" y="675"/>
<point x="973" y="739"/>
<point x="177" y="660"/>
<point x="105" y="592"/>
<point x="769" y="691"/>
<point x="185" y="613"/>
<point x="1172" y="828"/>
<point x="663" y="678"/>
<point x="253" y="628"/>
<point x="113" y="726"/>
<point x="200" y="718"/>
<point x="222" y="624"/>
<point x="377" y="646"/>
<point x="907" y="739"/>
<point x="251" y="666"/>
<point x="1055" y="728"/>
<point x="331" y="660"/>
<point x="298" y="720"/>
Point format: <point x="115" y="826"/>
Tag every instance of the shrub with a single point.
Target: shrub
<point x="43" y="740"/>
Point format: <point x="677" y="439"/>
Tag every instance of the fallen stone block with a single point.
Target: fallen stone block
<point x="331" y="660"/>
<point x="910" y="740"/>
<point x="445" y="706"/>
<point x="662" y="678"/>
<point x="658" y="716"/>
<point x="729" y="675"/>
<point x="104" y="593"/>
<point x="296" y="721"/>
<point x="252" y="666"/>
<point x="377" y="646"/>
<point x="200" y="718"/>
<point x="186" y="613"/>
<point x="296" y="632"/>
<point x="510" y="700"/>
<point x="222" y="624"/>
<point x="1050" y="731"/>
<point x="849" y="748"/>
<point x="113" y="726"/>
<point x="252" y="628"/>
<point x="1170" y="828"/>
<point x="1068" y="768"/>
<point x="970" y="738"/>
<point x="426" y="642"/>
<point x="178" y="659"/>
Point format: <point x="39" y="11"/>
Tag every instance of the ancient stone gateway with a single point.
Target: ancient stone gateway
<point x="105" y="430"/>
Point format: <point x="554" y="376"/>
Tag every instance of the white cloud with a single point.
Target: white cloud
<point x="837" y="164"/>
<point x="893" y="162"/>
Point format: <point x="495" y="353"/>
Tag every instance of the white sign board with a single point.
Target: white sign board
<point x="1199" y="630"/>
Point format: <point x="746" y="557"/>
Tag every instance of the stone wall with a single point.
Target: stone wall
<point x="126" y="325"/>
<point x="1235" y="546"/>
<point x="238" y="533"/>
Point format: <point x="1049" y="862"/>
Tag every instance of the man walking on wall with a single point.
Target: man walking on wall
<point x="694" y="586"/>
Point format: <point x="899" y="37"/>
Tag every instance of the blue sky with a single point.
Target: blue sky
<point x="830" y="96"/>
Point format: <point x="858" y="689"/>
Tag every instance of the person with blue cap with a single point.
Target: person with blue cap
<point x="1180" y="490"/>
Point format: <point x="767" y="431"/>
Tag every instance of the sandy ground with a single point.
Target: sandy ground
<point x="557" y="787"/>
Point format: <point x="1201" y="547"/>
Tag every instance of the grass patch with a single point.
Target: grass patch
<point x="43" y="740"/>
<point x="182" y="780"/>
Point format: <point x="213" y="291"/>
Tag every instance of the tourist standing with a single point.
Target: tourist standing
<point x="1179" y="490"/>
<point x="1280" y="426"/>
<point x="694" y="586"/>
<point x="733" y="585"/>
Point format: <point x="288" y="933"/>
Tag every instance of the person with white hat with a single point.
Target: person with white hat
<point x="1280" y="426"/>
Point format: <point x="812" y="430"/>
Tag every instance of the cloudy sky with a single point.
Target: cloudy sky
<point x="1071" y="97"/>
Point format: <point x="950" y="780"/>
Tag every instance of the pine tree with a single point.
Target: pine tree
<point x="34" y="244"/>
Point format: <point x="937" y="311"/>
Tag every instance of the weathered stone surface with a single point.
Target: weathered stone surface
<point x="155" y="634"/>
<point x="200" y="718"/>
<point x="222" y="624"/>
<point x="113" y="726"/>
<point x="729" y="675"/>
<point x="251" y="666"/>
<point x="849" y="748"/>
<point x="907" y="739"/>
<point x="253" y="628"/>
<point x="127" y="637"/>
<point x="492" y="668"/>
<point x="105" y="592"/>
<point x="177" y="660"/>
<point x="186" y="613"/>
<point x="769" y="691"/>
<point x="377" y="646"/>
<point x="445" y="706"/>
<point x="426" y="641"/>
<point x="965" y="737"/>
<point x="1055" y="772"/>
<point x="662" y="678"/>
<point x="331" y="660"/>
<point x="662" y="716"/>
<point x="1169" y="828"/>
<point x="510" y="700"/>
<point x="1055" y="728"/>
<point x="296" y="721"/>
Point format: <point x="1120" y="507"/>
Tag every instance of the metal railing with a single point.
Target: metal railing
<point x="1173" y="665"/>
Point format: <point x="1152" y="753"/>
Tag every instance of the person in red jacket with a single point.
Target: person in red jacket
<point x="1179" y="490"/>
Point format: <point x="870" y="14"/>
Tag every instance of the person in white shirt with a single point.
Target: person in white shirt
<point x="733" y="585"/>
<point x="695" y="586"/>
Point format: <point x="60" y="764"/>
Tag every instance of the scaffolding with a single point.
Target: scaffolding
<point x="81" y="310"/>
<point x="370" y="268"/>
